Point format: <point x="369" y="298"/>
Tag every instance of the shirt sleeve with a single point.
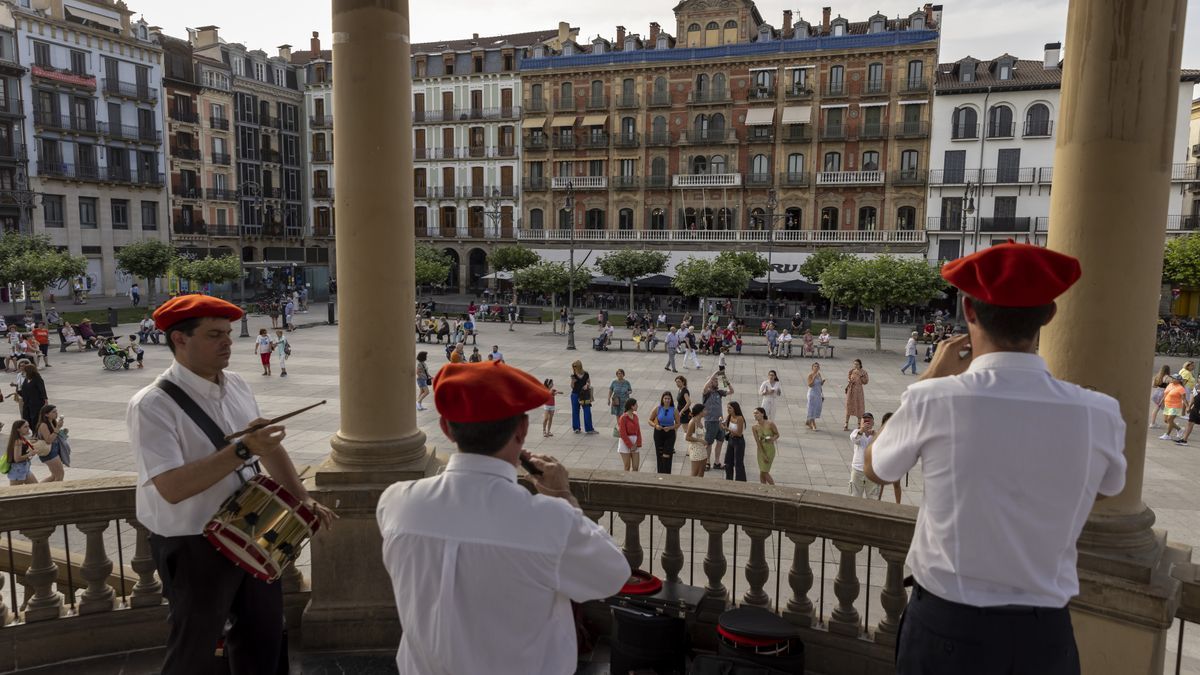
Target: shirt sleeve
<point x="1114" y="476"/>
<point x="898" y="446"/>
<point x="154" y="439"/>
<point x="592" y="566"/>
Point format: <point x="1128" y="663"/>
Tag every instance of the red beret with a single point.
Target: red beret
<point x="191" y="306"/>
<point x="485" y="392"/>
<point x="1013" y="275"/>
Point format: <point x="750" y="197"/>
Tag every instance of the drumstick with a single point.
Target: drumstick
<point x="275" y="420"/>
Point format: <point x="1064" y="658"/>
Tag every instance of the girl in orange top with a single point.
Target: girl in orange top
<point x="1174" y="401"/>
<point x="630" y="432"/>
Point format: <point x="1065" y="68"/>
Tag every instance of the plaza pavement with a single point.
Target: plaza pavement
<point x="94" y="402"/>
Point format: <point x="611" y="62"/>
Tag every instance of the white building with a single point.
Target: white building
<point x="992" y="153"/>
<point x="94" y="99"/>
<point x="315" y="72"/>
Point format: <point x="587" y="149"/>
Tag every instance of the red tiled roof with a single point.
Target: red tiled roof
<point x="302" y="57"/>
<point x="485" y="42"/>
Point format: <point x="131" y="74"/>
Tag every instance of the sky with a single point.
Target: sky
<point x="980" y="28"/>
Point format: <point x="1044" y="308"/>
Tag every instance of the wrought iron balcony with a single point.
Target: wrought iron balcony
<point x="909" y="177"/>
<point x="709" y="97"/>
<point x="565" y="142"/>
<point x="593" y="141"/>
<point x="872" y="131"/>
<point x="953" y="176"/>
<point x="760" y="92"/>
<point x="760" y="134"/>
<point x="794" y="179"/>
<point x="797" y="91"/>
<point x="875" y="87"/>
<point x="954" y="223"/>
<point x="659" y="138"/>
<point x="130" y="90"/>
<point x="911" y="129"/>
<point x="535" y="142"/>
<point x="759" y="179"/>
<point x="625" y="101"/>
<point x="183" y="191"/>
<point x="1040" y="129"/>
<point x="1185" y="173"/>
<point x="833" y="132"/>
<point x="221" y="194"/>
<point x="191" y="154"/>
<point x="66" y="123"/>
<point x="626" y="182"/>
<point x="914" y="85"/>
<point x="1009" y="175"/>
<point x="1005" y="224"/>
<point x="627" y="139"/>
<point x="798" y="133"/>
<point x="221" y="123"/>
<point x="709" y="136"/>
<point x="535" y="184"/>
<point x="321" y="121"/>
<point x="597" y="102"/>
<point x="322" y="155"/>
<point x="322" y="192"/>
<point x="836" y="90"/>
<point x="658" y="181"/>
<point x="185" y="116"/>
<point x="962" y="132"/>
<point x="660" y="99"/>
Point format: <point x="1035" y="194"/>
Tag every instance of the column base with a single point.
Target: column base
<point x="352" y="606"/>
<point x="1121" y="545"/>
<point x="1121" y="624"/>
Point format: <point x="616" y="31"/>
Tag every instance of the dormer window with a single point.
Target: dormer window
<point x="840" y="26"/>
<point x="801" y="30"/>
<point x="878" y="24"/>
<point x="539" y="51"/>
<point x="631" y="43"/>
<point x="1004" y="69"/>
<point x="598" y="47"/>
<point x="916" y="21"/>
<point x="662" y="43"/>
<point x="966" y="72"/>
<point x="764" y="33"/>
<point x="568" y="48"/>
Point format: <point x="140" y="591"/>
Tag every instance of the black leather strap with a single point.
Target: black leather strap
<point x="201" y="419"/>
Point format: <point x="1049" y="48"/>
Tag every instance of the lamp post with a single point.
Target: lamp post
<point x="24" y="198"/>
<point x="570" y="209"/>
<point x="492" y="203"/>
<point x="772" y="202"/>
<point x="253" y="188"/>
<point x="968" y="207"/>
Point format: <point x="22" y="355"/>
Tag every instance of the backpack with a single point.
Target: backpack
<point x="5" y="465"/>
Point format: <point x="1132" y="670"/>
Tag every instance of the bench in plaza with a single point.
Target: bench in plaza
<point x="102" y="330"/>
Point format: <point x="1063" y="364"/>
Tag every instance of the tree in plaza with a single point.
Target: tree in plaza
<point x="815" y="265"/>
<point x="431" y="266"/>
<point x="630" y="265"/>
<point x="755" y="264"/>
<point x="878" y="282"/>
<point x="512" y="259"/>
<point x="701" y="278"/>
<point x="149" y="259"/>
<point x="550" y="278"/>
<point x="38" y="269"/>
<point x="1181" y="261"/>
<point x="209" y="270"/>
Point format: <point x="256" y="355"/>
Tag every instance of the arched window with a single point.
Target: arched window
<point x="964" y="123"/>
<point x="535" y="219"/>
<point x="566" y="94"/>
<point x="625" y="219"/>
<point x="906" y="218"/>
<point x="564" y="218"/>
<point x="724" y="219"/>
<point x="627" y="89"/>
<point x="829" y="218"/>
<point x="712" y="34"/>
<point x="867" y="218"/>
<point x="701" y="86"/>
<point x="694" y="36"/>
<point x="795" y="164"/>
<point x="916" y="75"/>
<point x="1037" y="120"/>
<point x="875" y="78"/>
<point x="659" y="130"/>
<point x="628" y="127"/>
<point x="597" y="93"/>
<point x="658" y="166"/>
<point x="729" y="34"/>
<point x="717" y="164"/>
<point x="1000" y="122"/>
<point x="793" y="219"/>
<point x="837" y="80"/>
<point x="701" y="126"/>
<point x="760" y="166"/>
<point x="717" y="122"/>
<point x="763" y="78"/>
<point x="658" y="219"/>
<point x="718" y="85"/>
<point x="660" y="89"/>
<point x="595" y="219"/>
<point x="758" y="219"/>
<point x="699" y="165"/>
<point x="833" y="161"/>
<point x="870" y="161"/>
<point x="909" y="163"/>
<point x="689" y="219"/>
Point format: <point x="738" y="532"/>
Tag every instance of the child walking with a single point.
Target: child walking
<point x="548" y="417"/>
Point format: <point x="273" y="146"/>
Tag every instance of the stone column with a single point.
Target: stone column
<point x="378" y="442"/>
<point x="1109" y="208"/>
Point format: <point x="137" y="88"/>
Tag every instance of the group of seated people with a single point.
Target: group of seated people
<point x="148" y="332"/>
<point x="780" y="344"/>
<point x="25" y="346"/>
<point x="430" y="329"/>
<point x="82" y="337"/>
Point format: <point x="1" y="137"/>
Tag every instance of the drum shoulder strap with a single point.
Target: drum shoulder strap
<point x="194" y="411"/>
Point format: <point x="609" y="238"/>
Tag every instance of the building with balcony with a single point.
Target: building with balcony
<point x="992" y="154"/>
<point x="199" y="102"/>
<point x="315" y="74"/>
<point x="267" y="126"/>
<point x="467" y="143"/>
<point x="94" y="99"/>
<point x="815" y="131"/>
<point x="15" y="196"/>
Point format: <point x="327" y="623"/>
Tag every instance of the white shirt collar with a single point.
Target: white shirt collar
<point x="195" y="383"/>
<point x="469" y="462"/>
<point x="1008" y="361"/>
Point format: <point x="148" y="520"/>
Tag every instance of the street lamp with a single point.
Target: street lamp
<point x="254" y="189"/>
<point x="772" y="202"/>
<point x="492" y="201"/>
<point x="570" y="209"/>
<point x="968" y="207"/>
<point x="24" y="199"/>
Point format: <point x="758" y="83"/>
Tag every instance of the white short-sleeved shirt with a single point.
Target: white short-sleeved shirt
<point x="910" y="347"/>
<point x="858" y="443"/>
<point x="1012" y="460"/>
<point x="163" y="437"/>
<point x="484" y="571"/>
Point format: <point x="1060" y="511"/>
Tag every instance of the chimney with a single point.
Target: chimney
<point x="620" y="37"/>
<point x="1053" y="54"/>
<point x="315" y="43"/>
<point x="787" y="22"/>
<point x="285" y="52"/>
<point x="825" y="19"/>
<point x="654" y="31"/>
<point x="564" y="32"/>
<point x="928" y="9"/>
<point x="206" y="36"/>
<point x="474" y="36"/>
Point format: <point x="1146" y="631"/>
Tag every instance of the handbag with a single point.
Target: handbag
<point x="40" y="448"/>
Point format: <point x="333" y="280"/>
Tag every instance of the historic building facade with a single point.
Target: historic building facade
<point x="733" y="131"/>
<point x="93" y="95"/>
<point x="992" y="154"/>
<point x="16" y="199"/>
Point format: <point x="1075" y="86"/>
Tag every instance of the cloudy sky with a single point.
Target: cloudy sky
<point x="979" y="28"/>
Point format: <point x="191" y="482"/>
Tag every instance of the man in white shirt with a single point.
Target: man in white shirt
<point x="910" y="355"/>
<point x="182" y="482"/>
<point x="484" y="572"/>
<point x="860" y="486"/>
<point x="1013" y="460"/>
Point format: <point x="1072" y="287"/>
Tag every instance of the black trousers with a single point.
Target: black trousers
<point x="664" y="444"/>
<point x="939" y="636"/>
<point x="205" y="590"/>
<point x="735" y="458"/>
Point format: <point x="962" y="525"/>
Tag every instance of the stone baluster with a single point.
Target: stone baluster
<point x="716" y="596"/>
<point x="147" y="592"/>
<point x="45" y="602"/>
<point x="5" y="615"/>
<point x="757" y="571"/>
<point x="672" y="555"/>
<point x="633" y="538"/>
<point x="594" y="515"/>
<point x="799" y="608"/>
<point x="98" y="596"/>
<point x="892" y="597"/>
<point x="844" y="619"/>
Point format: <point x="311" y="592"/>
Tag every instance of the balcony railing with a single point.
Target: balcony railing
<point x="794" y="179"/>
<point x="597" y="103"/>
<point x="911" y="129"/>
<point x="761" y="92"/>
<point x="221" y="123"/>
<point x="659" y="138"/>
<point x="130" y="90"/>
<point x="707" y="136"/>
<point x="593" y="141"/>
<point x="797" y="91"/>
<point x="1041" y="129"/>
<point x="627" y="139"/>
<point x="535" y="105"/>
<point x="181" y="191"/>
<point x="999" y="130"/>
<point x="221" y="194"/>
<point x="707" y="180"/>
<point x="185" y="116"/>
<point x="953" y="176"/>
<point x="192" y="154"/>
<point x="955" y="223"/>
<point x="913" y="85"/>
<point x="580" y="182"/>
<point x="798" y="133"/>
<point x="850" y="178"/>
<point x="760" y="134"/>
<point x="322" y="192"/>
<point x="626" y="182"/>
<point x="660" y="99"/>
<point x="961" y="132"/>
<point x="760" y="179"/>
<point x="872" y="131"/>
<point x="320" y="121"/>
<point x="1045" y="174"/>
<point x="1024" y="174"/>
<point x="565" y="104"/>
<point x="1183" y="223"/>
<point x="536" y="142"/>
<point x="874" y="87"/>
<point x="800" y="237"/>
<point x="269" y="155"/>
<point x="322" y="155"/>
<point x="471" y="114"/>
<point x="909" y="177"/>
<point x="12" y="151"/>
<point x="11" y="105"/>
<point x="625" y="101"/>
<point x="1005" y="224"/>
<point x="535" y="184"/>
<point x="833" y="132"/>
<point x="565" y="142"/>
<point x="658" y="181"/>
<point x="69" y="123"/>
<point x="836" y="89"/>
<point x="709" y="97"/>
<point x="1185" y="173"/>
<point x="127" y="132"/>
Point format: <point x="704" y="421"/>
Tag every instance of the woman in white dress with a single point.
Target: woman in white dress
<point x="770" y="390"/>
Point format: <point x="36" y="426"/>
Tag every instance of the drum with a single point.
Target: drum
<point x="262" y="528"/>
